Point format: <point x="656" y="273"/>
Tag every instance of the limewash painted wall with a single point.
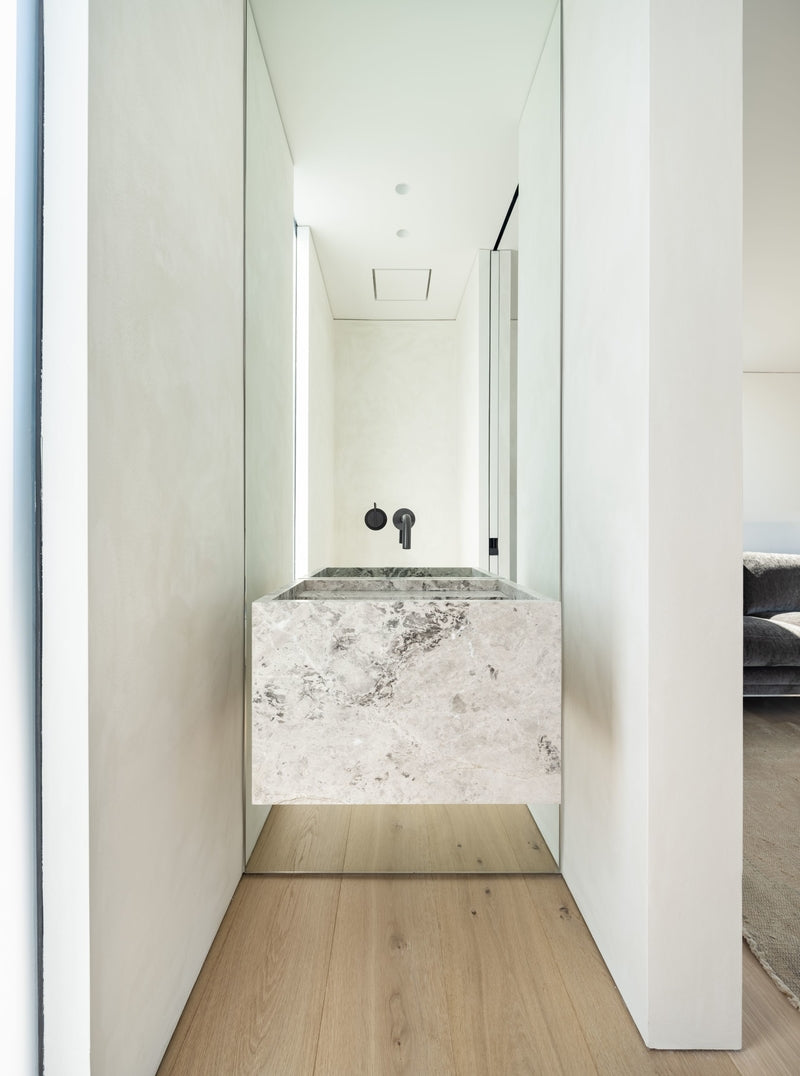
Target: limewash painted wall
<point x="269" y="365"/>
<point x="539" y="349"/>
<point x="320" y="432"/>
<point x="470" y="323"/>
<point x="651" y="477"/>
<point x="269" y="333"/>
<point x="165" y="509"/>
<point x="398" y="406"/>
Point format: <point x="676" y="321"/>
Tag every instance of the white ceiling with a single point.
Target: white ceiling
<point x="426" y="92"/>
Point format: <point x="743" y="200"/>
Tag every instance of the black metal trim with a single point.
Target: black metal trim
<point x="506" y="220"/>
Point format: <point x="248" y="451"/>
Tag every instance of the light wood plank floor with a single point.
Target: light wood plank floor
<point x="407" y="839"/>
<point x="431" y="976"/>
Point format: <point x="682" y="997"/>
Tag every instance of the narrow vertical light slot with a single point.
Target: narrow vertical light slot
<point x="301" y="423"/>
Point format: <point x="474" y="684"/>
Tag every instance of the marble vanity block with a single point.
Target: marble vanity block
<point x="415" y="689"/>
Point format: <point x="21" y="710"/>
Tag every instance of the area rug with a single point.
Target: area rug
<point x="771" y="878"/>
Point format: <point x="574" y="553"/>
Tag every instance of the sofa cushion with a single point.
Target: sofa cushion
<point x="771" y="680"/>
<point x="772" y="641"/>
<point x="771" y="583"/>
<point x="785" y="677"/>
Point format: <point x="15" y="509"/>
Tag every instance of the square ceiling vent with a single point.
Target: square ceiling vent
<point x="401" y="285"/>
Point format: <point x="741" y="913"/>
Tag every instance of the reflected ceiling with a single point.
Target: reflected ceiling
<point x="426" y="93"/>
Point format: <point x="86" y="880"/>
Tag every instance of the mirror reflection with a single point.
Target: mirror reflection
<point x="399" y="368"/>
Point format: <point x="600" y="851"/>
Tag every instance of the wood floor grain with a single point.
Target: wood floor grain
<point x="388" y="839"/>
<point x="770" y="1026"/>
<point x="257" y="1004"/>
<point x="307" y="839"/>
<point x="527" y="842"/>
<point x="433" y="976"/>
<point x="404" y="839"/>
<point x="615" y="1045"/>
<point x="385" y="1007"/>
<point x="471" y="838"/>
<point x="506" y="998"/>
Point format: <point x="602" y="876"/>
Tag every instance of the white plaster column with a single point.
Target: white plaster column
<point x="652" y="504"/>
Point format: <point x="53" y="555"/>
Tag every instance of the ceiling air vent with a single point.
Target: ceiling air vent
<point x="401" y="285"/>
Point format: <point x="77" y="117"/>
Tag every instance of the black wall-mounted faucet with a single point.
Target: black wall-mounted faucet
<point x="404" y="519"/>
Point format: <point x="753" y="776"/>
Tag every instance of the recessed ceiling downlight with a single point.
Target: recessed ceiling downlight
<point x="402" y="233"/>
<point x="402" y="188"/>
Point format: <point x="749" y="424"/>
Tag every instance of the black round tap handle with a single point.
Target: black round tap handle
<point x="375" y="518"/>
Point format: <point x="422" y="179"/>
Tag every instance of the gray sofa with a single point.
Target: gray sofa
<point x="771" y="624"/>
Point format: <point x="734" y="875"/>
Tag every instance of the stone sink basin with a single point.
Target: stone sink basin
<point x="401" y="573"/>
<point x="403" y="588"/>
<point x="423" y="688"/>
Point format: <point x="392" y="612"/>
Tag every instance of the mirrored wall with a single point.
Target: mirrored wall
<point x="457" y="419"/>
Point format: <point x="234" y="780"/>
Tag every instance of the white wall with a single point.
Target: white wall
<point x="695" y="502"/>
<point x="539" y="351"/>
<point x="269" y="333"/>
<point x="503" y="413"/>
<point x="771" y="450"/>
<point x="472" y="345"/>
<point x="538" y="554"/>
<point x="321" y="428"/>
<point x="605" y="411"/>
<point x="165" y="484"/>
<point x="65" y="613"/>
<point x="652" y="505"/>
<point x="771" y="276"/>
<point x="269" y="372"/>
<point x="18" y="123"/>
<point x="398" y="404"/>
<point x="771" y="185"/>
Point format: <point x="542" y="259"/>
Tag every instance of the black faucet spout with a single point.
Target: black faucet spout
<point x="404" y="520"/>
<point x="405" y="530"/>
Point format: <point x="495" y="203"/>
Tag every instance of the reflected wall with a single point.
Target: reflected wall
<point x="269" y="364"/>
<point x="539" y="343"/>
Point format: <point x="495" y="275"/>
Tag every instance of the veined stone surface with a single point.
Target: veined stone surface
<point x="400" y="586"/>
<point x="399" y="572"/>
<point x="410" y="700"/>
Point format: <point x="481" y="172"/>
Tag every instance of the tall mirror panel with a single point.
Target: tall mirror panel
<point x="402" y="455"/>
